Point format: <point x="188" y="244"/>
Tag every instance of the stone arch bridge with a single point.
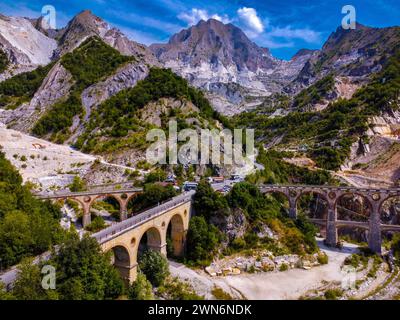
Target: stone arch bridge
<point x="374" y="197"/>
<point x="125" y="237"/>
<point x="87" y="198"/>
<point x="151" y="227"/>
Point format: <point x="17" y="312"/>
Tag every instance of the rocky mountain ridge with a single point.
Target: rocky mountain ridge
<point x="212" y="55"/>
<point x="25" y="47"/>
<point x="235" y="73"/>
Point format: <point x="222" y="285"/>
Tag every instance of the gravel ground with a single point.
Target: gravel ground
<point x="289" y="284"/>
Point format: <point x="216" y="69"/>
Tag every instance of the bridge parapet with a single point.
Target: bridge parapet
<point x="114" y="231"/>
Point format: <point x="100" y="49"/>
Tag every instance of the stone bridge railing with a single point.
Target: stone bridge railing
<point x="135" y="221"/>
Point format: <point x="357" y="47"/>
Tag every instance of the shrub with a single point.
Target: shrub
<point x="283" y="267"/>
<point x="202" y="241"/>
<point x="220" y="294"/>
<point x="333" y="294"/>
<point x="141" y="289"/>
<point x="154" y="266"/>
<point x="175" y="289"/>
<point x="322" y="258"/>
<point x="96" y="225"/>
<point x="77" y="185"/>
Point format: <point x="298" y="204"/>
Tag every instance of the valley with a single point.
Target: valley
<point x="319" y="196"/>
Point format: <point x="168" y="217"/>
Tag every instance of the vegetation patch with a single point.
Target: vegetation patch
<point x="28" y="226"/>
<point x="329" y="134"/>
<point x="22" y="87"/>
<point x="91" y="62"/>
<point x="119" y="116"/>
<point x="315" y="93"/>
<point x="3" y="61"/>
<point x="207" y="238"/>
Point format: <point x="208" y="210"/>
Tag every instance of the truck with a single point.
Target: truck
<point x="187" y="186"/>
<point x="216" y="179"/>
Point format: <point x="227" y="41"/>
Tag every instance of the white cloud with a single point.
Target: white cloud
<point x="195" y="15"/>
<point x="287" y="32"/>
<point x="250" y="19"/>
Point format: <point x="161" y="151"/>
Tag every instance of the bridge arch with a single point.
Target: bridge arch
<point x="176" y="235"/>
<point x="122" y="259"/>
<point x="389" y="216"/>
<point x="383" y="209"/>
<point x="107" y="196"/>
<point x="367" y="207"/>
<point x="150" y="239"/>
<point x="277" y="192"/>
<point x="318" y="204"/>
<point x="112" y="200"/>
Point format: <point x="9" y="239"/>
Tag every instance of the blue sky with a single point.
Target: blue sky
<point x="284" y="26"/>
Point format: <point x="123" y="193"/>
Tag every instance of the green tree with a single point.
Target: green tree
<point x="154" y="266"/>
<point x="77" y="185"/>
<point x="141" y="289"/>
<point x="157" y="175"/>
<point x="3" y="61"/>
<point x="202" y="240"/>
<point x="85" y="272"/>
<point x="28" y="226"/>
<point x="206" y="201"/>
<point x="96" y="225"/>
<point x="4" y="294"/>
<point x="28" y="285"/>
<point x="151" y="196"/>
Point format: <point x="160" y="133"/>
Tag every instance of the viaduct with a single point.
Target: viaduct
<point x="124" y="238"/>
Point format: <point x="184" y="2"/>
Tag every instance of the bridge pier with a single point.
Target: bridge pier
<point x="128" y="274"/>
<point x="123" y="210"/>
<point x="292" y="208"/>
<point x="374" y="236"/>
<point x="331" y="229"/>
<point x="179" y="241"/>
<point x="86" y="218"/>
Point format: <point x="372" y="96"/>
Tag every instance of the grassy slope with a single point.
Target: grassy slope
<point x="91" y="62"/>
<point x="119" y="117"/>
<point x="330" y="133"/>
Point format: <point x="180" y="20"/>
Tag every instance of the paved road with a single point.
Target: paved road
<point x="140" y="218"/>
<point x="9" y="277"/>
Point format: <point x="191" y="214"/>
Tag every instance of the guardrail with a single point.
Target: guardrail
<point x="141" y="218"/>
<point x="86" y="193"/>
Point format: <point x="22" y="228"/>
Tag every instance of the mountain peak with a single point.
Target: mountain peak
<point x="302" y="53"/>
<point x="85" y="24"/>
<point x="213" y="42"/>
